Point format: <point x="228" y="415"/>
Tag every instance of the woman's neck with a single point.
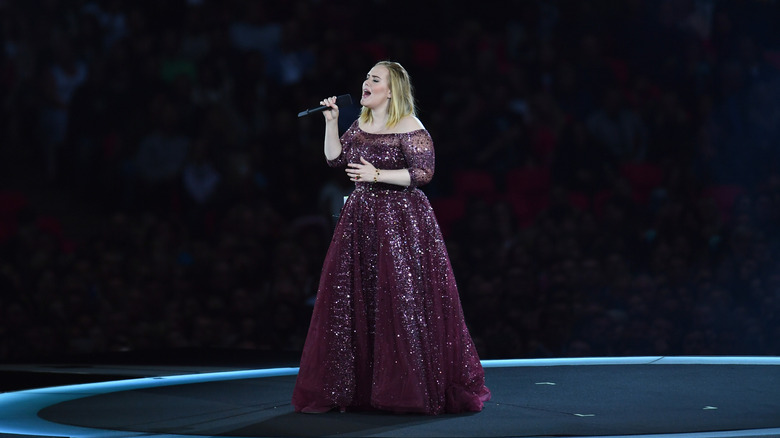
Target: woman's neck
<point x="379" y="119"/>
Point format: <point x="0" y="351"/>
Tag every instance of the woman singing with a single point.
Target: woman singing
<point x="387" y="331"/>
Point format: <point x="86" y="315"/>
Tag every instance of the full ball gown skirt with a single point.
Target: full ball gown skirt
<point x="387" y="331"/>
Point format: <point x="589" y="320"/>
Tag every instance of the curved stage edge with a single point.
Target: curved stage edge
<point x="26" y="413"/>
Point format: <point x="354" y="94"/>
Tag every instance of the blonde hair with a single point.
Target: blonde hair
<point x="402" y="101"/>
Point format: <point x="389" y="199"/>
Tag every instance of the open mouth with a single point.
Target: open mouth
<point x="366" y="93"/>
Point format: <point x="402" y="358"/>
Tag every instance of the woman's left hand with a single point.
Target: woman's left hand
<point x="363" y="171"/>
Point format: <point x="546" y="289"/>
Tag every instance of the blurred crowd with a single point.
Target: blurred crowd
<point x="607" y="172"/>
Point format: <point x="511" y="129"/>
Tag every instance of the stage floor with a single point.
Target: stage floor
<point x="593" y="397"/>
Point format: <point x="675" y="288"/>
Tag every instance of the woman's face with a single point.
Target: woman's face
<point x="376" y="87"/>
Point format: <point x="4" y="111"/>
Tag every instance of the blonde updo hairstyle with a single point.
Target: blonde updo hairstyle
<point x="402" y="99"/>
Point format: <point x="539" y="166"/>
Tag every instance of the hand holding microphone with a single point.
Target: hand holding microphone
<point x="329" y="106"/>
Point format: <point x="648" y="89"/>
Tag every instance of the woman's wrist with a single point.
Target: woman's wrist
<point x="376" y="176"/>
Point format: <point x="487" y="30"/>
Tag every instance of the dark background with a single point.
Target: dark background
<point x="607" y="171"/>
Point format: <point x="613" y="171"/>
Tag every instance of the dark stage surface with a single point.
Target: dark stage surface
<point x="693" y="397"/>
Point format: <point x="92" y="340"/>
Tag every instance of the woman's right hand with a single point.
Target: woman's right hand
<point x="333" y="112"/>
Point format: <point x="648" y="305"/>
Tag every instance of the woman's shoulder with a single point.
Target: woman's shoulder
<point x="409" y="124"/>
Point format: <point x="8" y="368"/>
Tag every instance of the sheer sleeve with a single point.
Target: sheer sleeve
<point x="347" y="140"/>
<point x="417" y="147"/>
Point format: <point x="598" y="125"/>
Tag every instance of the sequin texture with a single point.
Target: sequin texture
<point x="387" y="331"/>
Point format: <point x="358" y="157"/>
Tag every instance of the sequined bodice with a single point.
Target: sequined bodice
<point x="409" y="150"/>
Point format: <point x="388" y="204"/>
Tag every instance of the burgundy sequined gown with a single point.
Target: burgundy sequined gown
<point x="387" y="331"/>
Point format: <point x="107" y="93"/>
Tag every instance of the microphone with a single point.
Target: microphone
<point x="344" y="99"/>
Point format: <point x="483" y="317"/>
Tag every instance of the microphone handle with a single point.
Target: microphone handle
<point x="312" y="110"/>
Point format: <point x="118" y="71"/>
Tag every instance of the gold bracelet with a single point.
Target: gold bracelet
<point x="376" y="175"/>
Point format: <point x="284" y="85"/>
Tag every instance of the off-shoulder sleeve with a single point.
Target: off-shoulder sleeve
<point x="417" y="147"/>
<point x="347" y="140"/>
